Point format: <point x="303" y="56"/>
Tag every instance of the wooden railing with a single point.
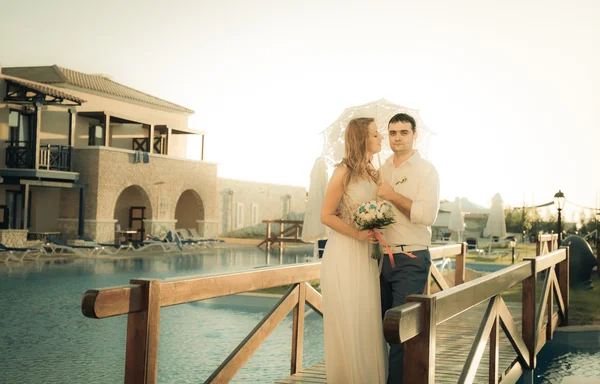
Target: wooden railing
<point x="55" y="157"/>
<point x="142" y="300"/>
<point x="20" y="154"/>
<point x="459" y="251"/>
<point x="288" y="235"/>
<point x="415" y="322"/>
<point x="546" y="244"/>
<point x="141" y="144"/>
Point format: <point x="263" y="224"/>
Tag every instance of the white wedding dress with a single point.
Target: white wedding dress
<point x="355" y="349"/>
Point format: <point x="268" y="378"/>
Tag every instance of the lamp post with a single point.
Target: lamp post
<point x="559" y="201"/>
<point x="512" y="244"/>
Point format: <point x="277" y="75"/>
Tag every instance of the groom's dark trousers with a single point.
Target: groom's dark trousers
<point x="409" y="277"/>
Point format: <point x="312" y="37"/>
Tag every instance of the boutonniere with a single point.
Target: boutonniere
<point x="403" y="180"/>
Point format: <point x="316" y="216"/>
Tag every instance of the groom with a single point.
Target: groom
<point x="411" y="184"/>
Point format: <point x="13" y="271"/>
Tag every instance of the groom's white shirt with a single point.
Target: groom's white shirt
<point x="418" y="180"/>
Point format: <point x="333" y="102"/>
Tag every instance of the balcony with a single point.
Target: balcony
<point x="21" y="155"/>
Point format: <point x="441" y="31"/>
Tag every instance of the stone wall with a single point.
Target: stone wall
<point x="16" y="238"/>
<point x="109" y="171"/>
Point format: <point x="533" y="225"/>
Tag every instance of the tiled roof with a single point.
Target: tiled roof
<point x="43" y="88"/>
<point x="58" y="75"/>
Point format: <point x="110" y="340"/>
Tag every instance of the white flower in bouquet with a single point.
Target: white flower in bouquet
<point x="373" y="215"/>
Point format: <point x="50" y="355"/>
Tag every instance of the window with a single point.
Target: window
<point x="255" y="219"/>
<point x="96" y="135"/>
<point x="239" y="216"/>
<point x="19" y="128"/>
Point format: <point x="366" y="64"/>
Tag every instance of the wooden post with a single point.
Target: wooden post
<point x="538" y="245"/>
<point x="141" y="356"/>
<point x="562" y="274"/>
<point x="550" y="308"/>
<point x="459" y="270"/>
<point x="598" y="248"/>
<point x="529" y="320"/>
<point x="268" y="234"/>
<point x="106" y="130"/>
<point x="298" y="330"/>
<point x="419" y="352"/>
<point x="494" y="349"/>
<point x="38" y="131"/>
<point x="47" y="154"/>
<point x="280" y="233"/>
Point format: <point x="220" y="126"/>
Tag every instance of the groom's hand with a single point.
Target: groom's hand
<point x="385" y="191"/>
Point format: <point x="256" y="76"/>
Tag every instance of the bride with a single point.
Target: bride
<point x="355" y="349"/>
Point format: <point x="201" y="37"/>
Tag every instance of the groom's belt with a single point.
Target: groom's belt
<point x="408" y="248"/>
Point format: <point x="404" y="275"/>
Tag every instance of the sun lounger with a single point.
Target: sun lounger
<point x="187" y="239"/>
<point x="155" y="242"/>
<point x="54" y="246"/>
<point x="7" y="256"/>
<point x="196" y="236"/>
<point x="109" y="248"/>
<point x="20" y="253"/>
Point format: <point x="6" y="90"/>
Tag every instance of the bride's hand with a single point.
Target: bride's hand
<point x="367" y="236"/>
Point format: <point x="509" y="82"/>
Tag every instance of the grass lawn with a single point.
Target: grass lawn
<point x="503" y="255"/>
<point x="584" y="308"/>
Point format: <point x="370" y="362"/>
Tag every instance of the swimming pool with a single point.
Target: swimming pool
<point x="45" y="338"/>
<point x="569" y="354"/>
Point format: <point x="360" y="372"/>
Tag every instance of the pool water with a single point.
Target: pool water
<point x="569" y="354"/>
<point x="44" y="338"/>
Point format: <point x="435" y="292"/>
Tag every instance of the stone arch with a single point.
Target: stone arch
<point x="133" y="196"/>
<point x="189" y="210"/>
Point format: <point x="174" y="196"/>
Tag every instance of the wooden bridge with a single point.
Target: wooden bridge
<point x="291" y="234"/>
<point x="445" y="333"/>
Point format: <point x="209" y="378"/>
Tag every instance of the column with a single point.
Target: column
<point x="202" y="153"/>
<point x="106" y="130"/>
<point x="80" y="221"/>
<point x="72" y="125"/>
<point x="25" y="189"/>
<point x="168" y="149"/>
<point x="151" y="139"/>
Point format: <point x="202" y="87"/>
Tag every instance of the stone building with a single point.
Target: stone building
<point x="85" y="155"/>
<point x="246" y="203"/>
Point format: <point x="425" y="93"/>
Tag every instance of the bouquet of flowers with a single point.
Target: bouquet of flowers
<point x="374" y="215"/>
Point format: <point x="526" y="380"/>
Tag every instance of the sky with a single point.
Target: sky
<point x="511" y="88"/>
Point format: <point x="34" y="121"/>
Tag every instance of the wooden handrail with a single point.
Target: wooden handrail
<point x="445" y="251"/>
<point x="460" y="298"/>
<point x="142" y="300"/>
<point x="410" y="320"/>
<point x="283" y="221"/>
<point x="415" y="322"/>
<point x="120" y="300"/>
<point x="546" y="261"/>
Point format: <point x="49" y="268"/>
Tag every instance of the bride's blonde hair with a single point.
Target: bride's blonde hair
<point x="359" y="167"/>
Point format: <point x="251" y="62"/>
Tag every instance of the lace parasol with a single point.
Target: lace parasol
<point x="333" y="151"/>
